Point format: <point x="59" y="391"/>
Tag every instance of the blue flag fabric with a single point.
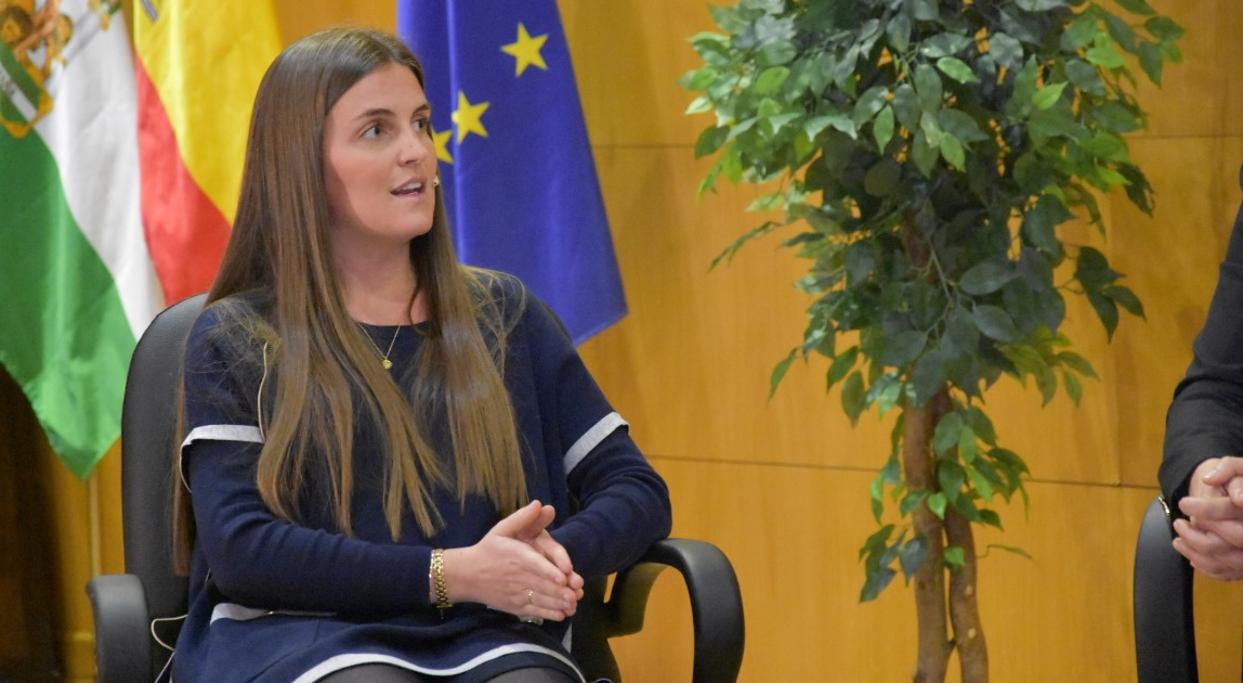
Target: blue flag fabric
<point x="515" y="161"/>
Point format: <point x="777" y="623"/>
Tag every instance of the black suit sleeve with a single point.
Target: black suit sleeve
<point x="1205" y="419"/>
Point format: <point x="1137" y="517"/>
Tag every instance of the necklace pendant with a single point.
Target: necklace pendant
<point x="388" y="364"/>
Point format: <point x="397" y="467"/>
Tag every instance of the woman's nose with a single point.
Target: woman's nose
<point x="413" y="147"/>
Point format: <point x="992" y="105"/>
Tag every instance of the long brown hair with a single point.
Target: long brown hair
<point x="318" y="366"/>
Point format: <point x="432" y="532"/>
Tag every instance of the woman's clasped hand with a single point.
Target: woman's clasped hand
<point x="517" y="567"/>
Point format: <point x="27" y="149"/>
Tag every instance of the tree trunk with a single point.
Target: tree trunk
<point x="964" y="611"/>
<point x="917" y="465"/>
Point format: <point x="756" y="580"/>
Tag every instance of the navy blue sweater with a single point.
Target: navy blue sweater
<point x="319" y="600"/>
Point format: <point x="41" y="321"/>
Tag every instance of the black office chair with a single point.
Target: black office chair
<point x="1165" y="638"/>
<point x="131" y="609"/>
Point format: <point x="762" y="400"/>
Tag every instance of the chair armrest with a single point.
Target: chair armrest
<point x="1165" y="648"/>
<point x="122" y="643"/>
<point x="716" y="603"/>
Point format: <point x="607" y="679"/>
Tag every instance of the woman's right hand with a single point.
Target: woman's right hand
<point x="506" y="571"/>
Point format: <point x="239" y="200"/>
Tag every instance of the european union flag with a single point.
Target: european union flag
<point x="515" y="162"/>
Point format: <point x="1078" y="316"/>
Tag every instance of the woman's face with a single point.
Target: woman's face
<point x="379" y="159"/>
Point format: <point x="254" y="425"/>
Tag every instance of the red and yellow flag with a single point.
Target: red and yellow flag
<point x="198" y="67"/>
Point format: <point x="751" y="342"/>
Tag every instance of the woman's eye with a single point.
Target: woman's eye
<point x="420" y="125"/>
<point x="372" y="131"/>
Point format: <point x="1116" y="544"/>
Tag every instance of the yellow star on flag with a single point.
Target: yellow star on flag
<point x="441" y="138"/>
<point x="468" y="117"/>
<point x="525" y="51"/>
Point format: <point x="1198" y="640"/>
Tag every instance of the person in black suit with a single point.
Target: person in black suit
<point x="1202" y="470"/>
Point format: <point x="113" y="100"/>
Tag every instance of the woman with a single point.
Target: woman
<point x="372" y="429"/>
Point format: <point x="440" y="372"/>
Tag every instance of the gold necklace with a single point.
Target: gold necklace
<point x="388" y="364"/>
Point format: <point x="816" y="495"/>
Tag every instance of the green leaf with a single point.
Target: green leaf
<point x="1010" y="549"/>
<point x="1039" y="223"/>
<point x="928" y="87"/>
<point x="1085" y="77"/>
<point x="980" y="483"/>
<point x="1024" y="90"/>
<point x="952" y="151"/>
<point x="954" y="557"/>
<point x="924" y="154"/>
<point x="1117" y="117"/>
<point x="1106" y="310"/>
<point x="1046" y="382"/>
<point x="912" y="556"/>
<point x="911" y="501"/>
<point x="943" y="45"/>
<point x="699" y="105"/>
<point x="1040" y="5"/>
<point x="841" y="122"/>
<point x="1164" y="29"/>
<point x="931" y="128"/>
<point x="860" y="261"/>
<point x="710" y="140"/>
<point x="1005" y="49"/>
<point x="1121" y="32"/>
<point x="876" y="492"/>
<point x="1077" y="363"/>
<point x="884" y="394"/>
<point x="1073" y="388"/>
<point x="906" y="106"/>
<point x="936" y="503"/>
<point x="950" y="477"/>
<point x="770" y="80"/>
<point x="1150" y="61"/>
<point x="699" y="79"/>
<point x="957" y="69"/>
<point x="966" y="444"/>
<point x="923" y="10"/>
<point x="959" y="123"/>
<point x="1125" y="298"/>
<point x="945" y="434"/>
<point x="727" y="254"/>
<point x="882" y="178"/>
<point x="1136" y="7"/>
<point x="852" y="396"/>
<point x="1080" y="32"/>
<point x="899" y="32"/>
<point x="877" y="580"/>
<point x="986" y="277"/>
<point x="994" y="323"/>
<point x="903" y="347"/>
<point x="882" y="128"/>
<point x="1047" y="96"/>
<point x="928" y="376"/>
<point x="869" y="103"/>
<point x="1103" y="54"/>
<point x="1092" y="269"/>
<point x="981" y="425"/>
<point x="780" y="52"/>
<point x="841" y="365"/>
<point x="779" y="372"/>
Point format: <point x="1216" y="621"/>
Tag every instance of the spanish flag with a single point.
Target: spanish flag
<point x="198" y="67"/>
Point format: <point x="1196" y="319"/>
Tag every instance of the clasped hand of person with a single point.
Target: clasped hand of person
<point x="516" y="567"/>
<point x="1212" y="535"/>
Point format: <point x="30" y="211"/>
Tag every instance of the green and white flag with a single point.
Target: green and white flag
<point x="77" y="283"/>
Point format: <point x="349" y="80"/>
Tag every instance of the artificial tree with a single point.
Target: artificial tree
<point x="927" y="153"/>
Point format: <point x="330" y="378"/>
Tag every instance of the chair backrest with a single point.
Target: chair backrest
<point x="147" y="443"/>
<point x="1165" y="639"/>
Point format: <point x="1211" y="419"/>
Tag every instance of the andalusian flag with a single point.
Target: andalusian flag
<point x="76" y="278"/>
<point x="199" y="65"/>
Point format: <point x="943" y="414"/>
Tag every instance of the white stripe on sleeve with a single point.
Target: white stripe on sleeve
<point x="592" y="438"/>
